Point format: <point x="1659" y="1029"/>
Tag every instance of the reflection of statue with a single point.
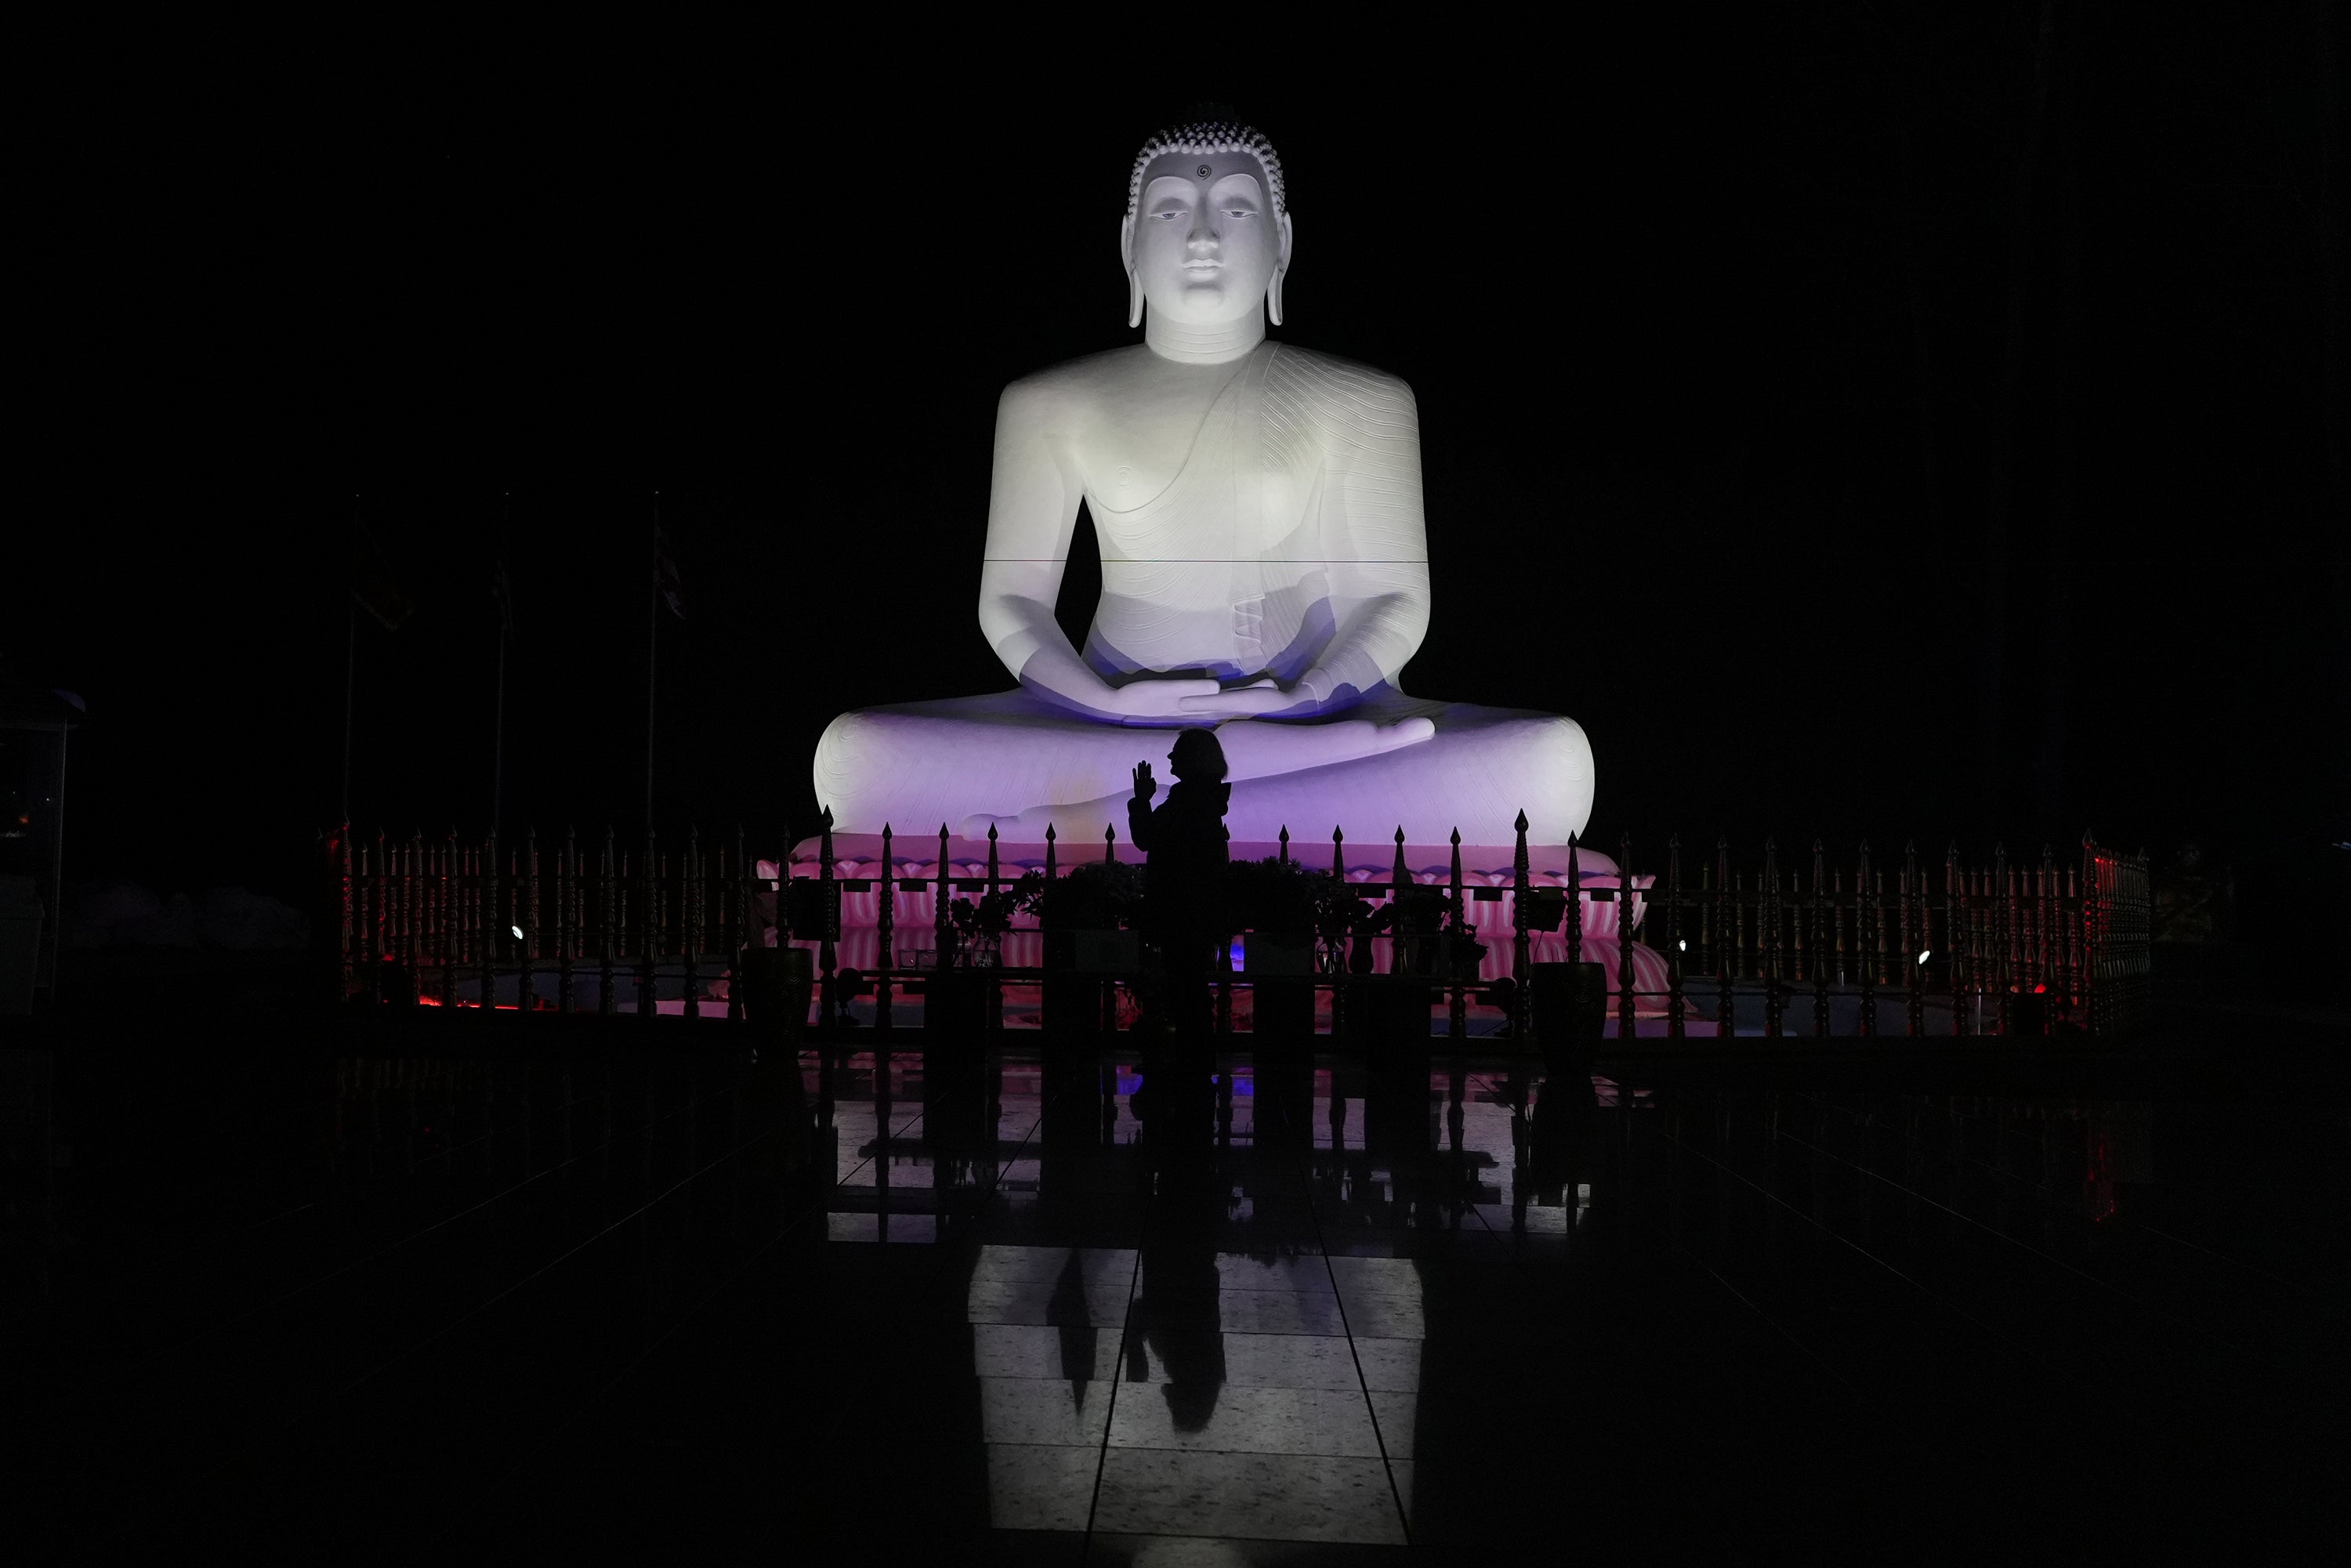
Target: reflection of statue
<point x="1265" y="568"/>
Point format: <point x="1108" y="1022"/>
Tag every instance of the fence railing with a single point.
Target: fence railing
<point x="1756" y="944"/>
<point x="441" y="922"/>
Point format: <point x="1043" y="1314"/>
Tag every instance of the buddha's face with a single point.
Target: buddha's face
<point x="1205" y="240"/>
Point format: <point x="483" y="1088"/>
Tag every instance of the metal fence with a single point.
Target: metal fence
<point x="1756" y="944"/>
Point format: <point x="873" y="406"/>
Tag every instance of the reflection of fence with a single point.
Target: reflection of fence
<point x="1753" y="946"/>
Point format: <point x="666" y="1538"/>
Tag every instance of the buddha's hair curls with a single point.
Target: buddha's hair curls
<point x="1209" y="136"/>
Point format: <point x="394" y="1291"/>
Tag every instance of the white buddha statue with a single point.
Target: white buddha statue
<point x="1265" y="571"/>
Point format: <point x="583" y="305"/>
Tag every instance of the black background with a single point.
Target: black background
<point x="1722" y="339"/>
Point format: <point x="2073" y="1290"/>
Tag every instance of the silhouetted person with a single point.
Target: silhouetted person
<point x="1183" y="881"/>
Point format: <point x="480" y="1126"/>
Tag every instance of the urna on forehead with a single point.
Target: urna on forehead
<point x="1208" y="151"/>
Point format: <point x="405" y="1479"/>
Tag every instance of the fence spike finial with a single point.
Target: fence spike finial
<point x="885" y="928"/>
<point x="1575" y="902"/>
<point x="1626" y="1008"/>
<point x="942" y="905"/>
<point x="1521" y="946"/>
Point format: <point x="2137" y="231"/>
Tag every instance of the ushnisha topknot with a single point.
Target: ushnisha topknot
<point x="1209" y="136"/>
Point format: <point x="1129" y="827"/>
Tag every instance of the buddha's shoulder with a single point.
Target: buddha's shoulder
<point x="1341" y="391"/>
<point x="1076" y="382"/>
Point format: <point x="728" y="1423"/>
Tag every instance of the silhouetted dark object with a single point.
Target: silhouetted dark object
<point x="1503" y="995"/>
<point x="1184" y="878"/>
<point x="1273" y="900"/>
<point x="1558" y="1132"/>
<point x="1570" y="1005"/>
<point x="34" y="728"/>
<point x="772" y="985"/>
<point x="844" y="986"/>
<point x="812" y="908"/>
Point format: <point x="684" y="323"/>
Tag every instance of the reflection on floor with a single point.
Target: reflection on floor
<point x="1078" y="1307"/>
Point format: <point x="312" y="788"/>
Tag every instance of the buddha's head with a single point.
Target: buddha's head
<point x="1207" y="231"/>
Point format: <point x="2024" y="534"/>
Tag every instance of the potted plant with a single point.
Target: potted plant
<point x="958" y="995"/>
<point x="1089" y="918"/>
<point x="1274" y="902"/>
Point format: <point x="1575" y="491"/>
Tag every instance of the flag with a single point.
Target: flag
<point x="665" y="578"/>
<point x="502" y="591"/>
<point x="372" y="585"/>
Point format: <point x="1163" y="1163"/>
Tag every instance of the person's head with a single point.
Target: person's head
<point x="1197" y="754"/>
<point x="1207" y="230"/>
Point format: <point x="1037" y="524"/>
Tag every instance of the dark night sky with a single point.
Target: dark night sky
<point x="1708" y="332"/>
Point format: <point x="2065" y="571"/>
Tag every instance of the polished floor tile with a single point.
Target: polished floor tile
<point x="1107" y="1551"/>
<point x="1308" y="1274"/>
<point x="1397" y="1414"/>
<point x="1279" y="1497"/>
<point x="1279" y="1311"/>
<point x="1233" y="1420"/>
<point x="1100" y="1303"/>
<point x="1041" y="1487"/>
<point x="1248" y="1360"/>
<point x="1031" y="1410"/>
<point x="1394" y="1365"/>
<point x="1071" y="1353"/>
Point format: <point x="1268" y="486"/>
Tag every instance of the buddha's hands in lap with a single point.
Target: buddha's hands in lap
<point x="1184" y="700"/>
<point x="1259" y="699"/>
<point x="1149" y="701"/>
<point x="1257" y="749"/>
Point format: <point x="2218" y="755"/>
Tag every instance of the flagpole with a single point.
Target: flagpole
<point x="652" y="639"/>
<point x="504" y="590"/>
<point x="351" y="665"/>
<point x="498" y="744"/>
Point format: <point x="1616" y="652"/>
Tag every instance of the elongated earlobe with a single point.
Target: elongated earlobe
<point x="1134" y="280"/>
<point x="1281" y="270"/>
